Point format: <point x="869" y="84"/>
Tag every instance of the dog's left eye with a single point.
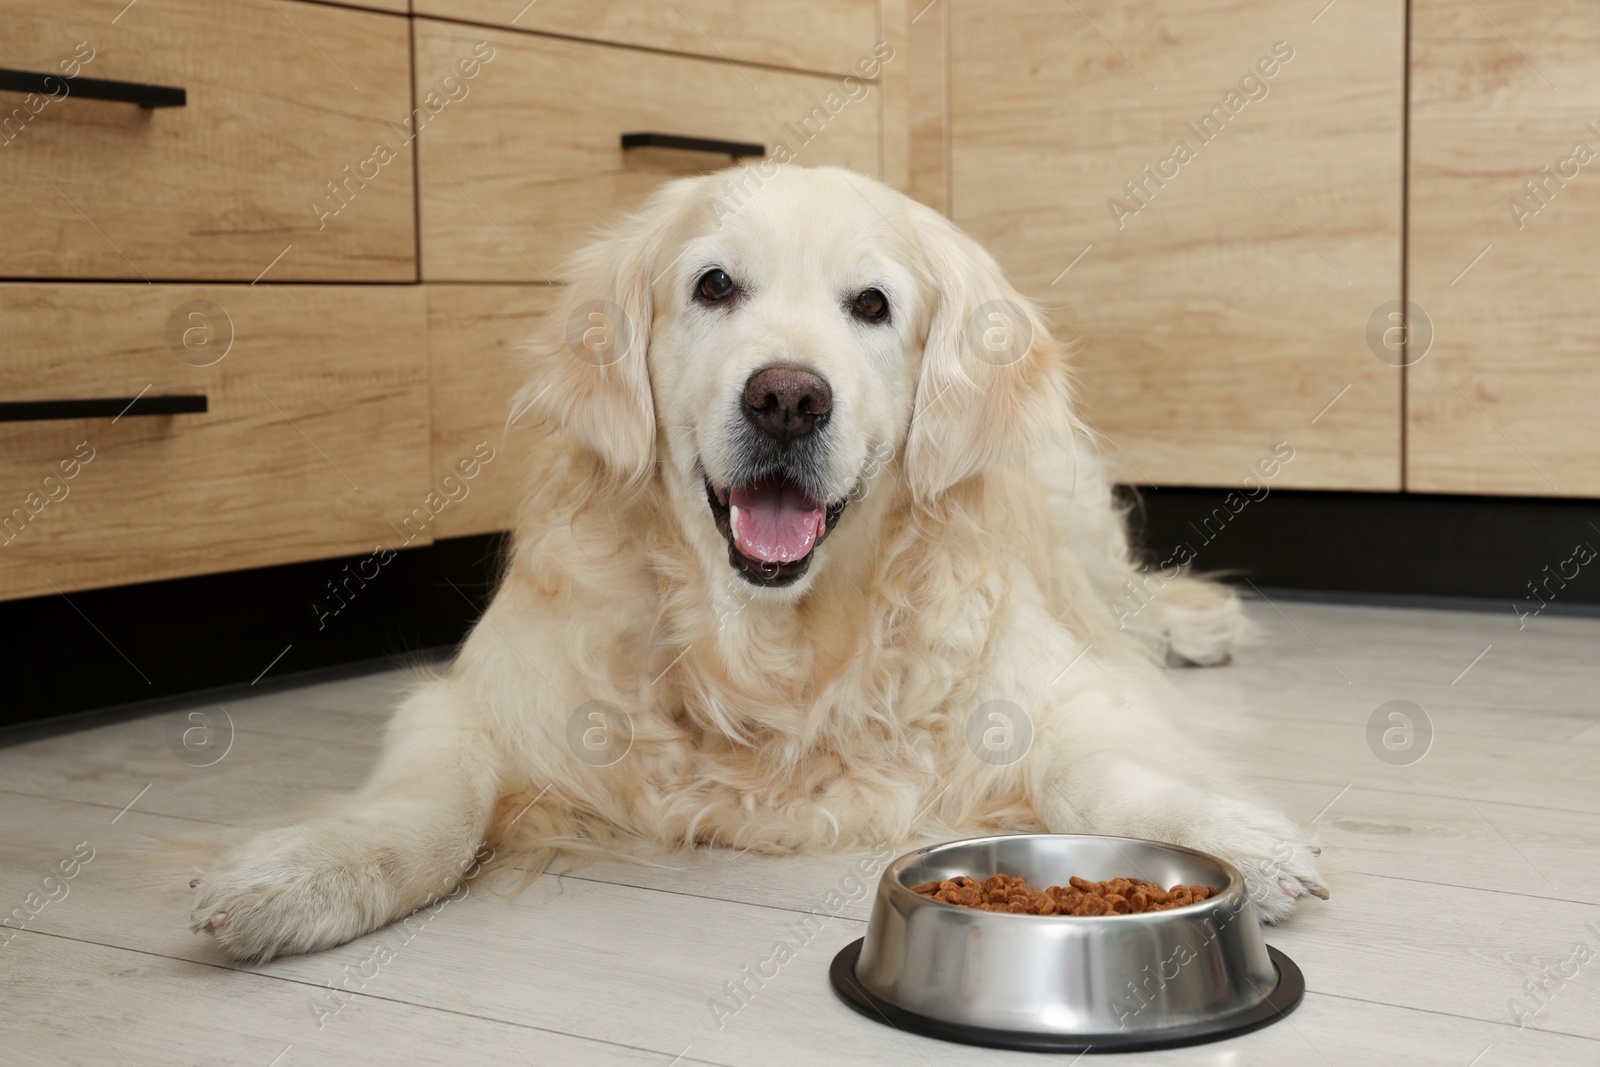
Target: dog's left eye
<point x="870" y="305"/>
<point x="715" y="286"/>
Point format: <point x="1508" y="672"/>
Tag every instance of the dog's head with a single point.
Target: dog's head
<point x="772" y="342"/>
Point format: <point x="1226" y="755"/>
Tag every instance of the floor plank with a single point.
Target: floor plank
<point x="70" y="1003"/>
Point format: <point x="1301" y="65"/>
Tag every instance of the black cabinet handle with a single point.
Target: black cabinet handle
<point x="25" y="81"/>
<point x="113" y="407"/>
<point x="736" y="149"/>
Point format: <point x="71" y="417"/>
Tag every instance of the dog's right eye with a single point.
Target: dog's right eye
<point x="715" y="286"/>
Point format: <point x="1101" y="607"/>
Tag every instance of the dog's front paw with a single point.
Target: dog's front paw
<point x="1276" y="859"/>
<point x="287" y="891"/>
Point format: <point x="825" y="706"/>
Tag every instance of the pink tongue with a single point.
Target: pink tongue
<point x="778" y="523"/>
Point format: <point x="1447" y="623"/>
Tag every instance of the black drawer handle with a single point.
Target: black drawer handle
<point x="736" y="149"/>
<point x="113" y="407"/>
<point x="24" y="81"/>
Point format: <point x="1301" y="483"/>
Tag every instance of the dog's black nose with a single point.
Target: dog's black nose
<point x="786" y="402"/>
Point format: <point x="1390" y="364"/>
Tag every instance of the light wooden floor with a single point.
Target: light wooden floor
<point x="1455" y="880"/>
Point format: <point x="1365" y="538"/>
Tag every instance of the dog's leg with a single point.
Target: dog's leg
<point x="404" y="840"/>
<point x="1199" y="622"/>
<point x="1110" y="756"/>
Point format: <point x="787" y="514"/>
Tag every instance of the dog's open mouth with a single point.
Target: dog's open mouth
<point x="772" y="527"/>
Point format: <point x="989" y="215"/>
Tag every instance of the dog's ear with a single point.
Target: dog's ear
<point x="589" y="372"/>
<point x="993" y="383"/>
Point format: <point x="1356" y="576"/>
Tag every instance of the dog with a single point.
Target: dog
<point x="815" y="554"/>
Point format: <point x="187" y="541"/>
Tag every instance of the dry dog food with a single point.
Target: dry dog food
<point x="1007" y="892"/>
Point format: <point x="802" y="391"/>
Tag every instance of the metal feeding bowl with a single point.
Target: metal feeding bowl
<point x="1154" y="979"/>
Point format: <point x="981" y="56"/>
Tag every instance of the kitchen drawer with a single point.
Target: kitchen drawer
<point x="532" y="163"/>
<point x="481" y="464"/>
<point x="314" y="444"/>
<point x="283" y="96"/>
<point x="822" y="35"/>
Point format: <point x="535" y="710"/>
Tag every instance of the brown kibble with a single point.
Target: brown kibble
<point x="1013" y="895"/>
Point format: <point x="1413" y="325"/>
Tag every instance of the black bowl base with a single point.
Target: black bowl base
<point x="1283" y="999"/>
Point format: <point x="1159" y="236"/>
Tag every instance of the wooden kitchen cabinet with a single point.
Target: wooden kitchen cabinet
<point x="341" y="417"/>
<point x="1222" y="291"/>
<point x="1505" y="215"/>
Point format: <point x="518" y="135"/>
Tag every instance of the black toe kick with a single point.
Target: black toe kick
<point x="1499" y="553"/>
<point x="250" y="630"/>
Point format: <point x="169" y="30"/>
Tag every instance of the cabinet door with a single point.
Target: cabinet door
<point x="821" y="35"/>
<point x="313" y="441"/>
<point x="1504" y="263"/>
<point x="533" y="163"/>
<point x="475" y="338"/>
<point x="1209" y="196"/>
<point x="271" y="170"/>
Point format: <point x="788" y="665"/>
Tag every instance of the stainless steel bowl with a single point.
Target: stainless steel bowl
<point x="1058" y="982"/>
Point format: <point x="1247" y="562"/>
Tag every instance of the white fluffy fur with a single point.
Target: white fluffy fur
<point x="975" y="564"/>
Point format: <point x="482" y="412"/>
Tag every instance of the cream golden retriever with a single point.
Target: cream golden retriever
<point x="816" y="555"/>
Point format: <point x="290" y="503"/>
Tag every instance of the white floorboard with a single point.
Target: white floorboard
<point x="1454" y="881"/>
